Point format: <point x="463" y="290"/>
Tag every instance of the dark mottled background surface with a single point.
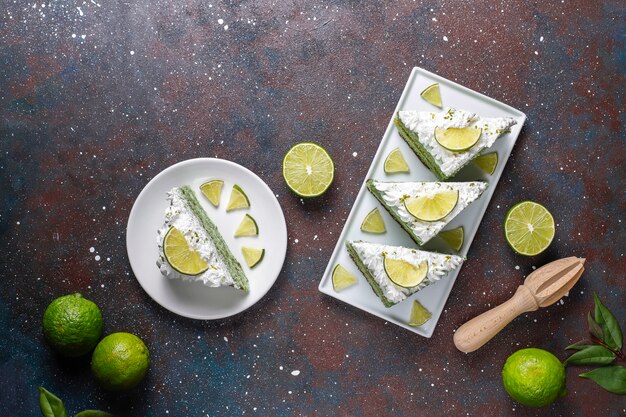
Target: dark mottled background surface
<point x="97" y="97"/>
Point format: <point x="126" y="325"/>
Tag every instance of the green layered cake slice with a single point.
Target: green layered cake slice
<point x="396" y="198"/>
<point x="417" y="128"/>
<point x="371" y="258"/>
<point x="185" y="214"/>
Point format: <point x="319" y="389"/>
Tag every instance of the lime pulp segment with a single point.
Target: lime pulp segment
<point x="342" y="278"/>
<point x="180" y="255"/>
<point x="431" y="208"/>
<point x="247" y="227"/>
<point x="453" y="237"/>
<point x="212" y="190"/>
<point x="238" y="199"/>
<point x="405" y="274"/>
<point x="308" y="169"/>
<point x="252" y="256"/>
<point x="395" y="162"/>
<point x="487" y="162"/>
<point x="432" y="95"/>
<point x="419" y="314"/>
<point x="373" y="222"/>
<point x="457" y="139"/>
<point x="529" y="228"/>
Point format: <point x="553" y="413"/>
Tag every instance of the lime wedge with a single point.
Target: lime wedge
<point x="529" y="228"/>
<point x="252" y="256"/>
<point x="395" y="162"/>
<point x="453" y="237"/>
<point x="238" y="199"/>
<point x="432" y="95"/>
<point x="180" y="255"/>
<point x="457" y="139"/>
<point x="212" y="190"/>
<point x="487" y="162"/>
<point x="373" y="222"/>
<point x="342" y="279"/>
<point x="247" y="227"/>
<point x="405" y="274"/>
<point x="308" y="169"/>
<point x="419" y="314"/>
<point x="432" y="208"/>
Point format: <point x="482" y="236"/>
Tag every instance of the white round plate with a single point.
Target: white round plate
<point x="192" y="299"/>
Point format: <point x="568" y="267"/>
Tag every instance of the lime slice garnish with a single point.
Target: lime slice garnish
<point x="373" y="222"/>
<point x="457" y="139"/>
<point x="419" y="314"/>
<point x="432" y="95"/>
<point x="405" y="274"/>
<point x="432" y="208"/>
<point x="453" y="237"/>
<point x="342" y="279"/>
<point x="252" y="256"/>
<point x="529" y="228"/>
<point x="247" y="227"/>
<point x="212" y="190"/>
<point x="308" y="169"/>
<point x="487" y="162"/>
<point x="238" y="199"/>
<point x="395" y="162"/>
<point x="180" y="255"/>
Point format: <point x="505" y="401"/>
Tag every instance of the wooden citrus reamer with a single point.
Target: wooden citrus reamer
<point x="541" y="288"/>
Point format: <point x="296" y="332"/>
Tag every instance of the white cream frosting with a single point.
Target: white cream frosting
<point x="423" y="125"/>
<point x="181" y="217"/>
<point x="394" y="194"/>
<point x="372" y="256"/>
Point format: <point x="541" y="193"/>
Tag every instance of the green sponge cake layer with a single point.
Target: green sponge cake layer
<point x="233" y="266"/>
<point x="368" y="276"/>
<point x="422" y="153"/>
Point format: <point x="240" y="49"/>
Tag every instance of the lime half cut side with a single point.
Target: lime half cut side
<point x="238" y="199"/>
<point x="432" y="208"/>
<point x="405" y="274"/>
<point x="342" y="278"/>
<point x="529" y="228"/>
<point x="419" y="314"/>
<point x="247" y="227"/>
<point x="395" y="162"/>
<point x="252" y="256"/>
<point x="308" y="169"/>
<point x="373" y="222"/>
<point x="182" y="257"/>
<point x="432" y="95"/>
<point x="453" y="237"/>
<point x="487" y="162"/>
<point x="457" y="139"/>
<point x="212" y="190"/>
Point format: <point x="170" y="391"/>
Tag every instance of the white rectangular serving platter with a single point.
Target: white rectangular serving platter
<point x="433" y="297"/>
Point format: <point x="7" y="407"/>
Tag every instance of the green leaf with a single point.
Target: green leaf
<point x="580" y="345"/>
<point x="594" y="328"/>
<point x="51" y="405"/>
<point x="592" y="355"/>
<point x="608" y="323"/>
<point x="611" y="378"/>
<point x="94" y="413"/>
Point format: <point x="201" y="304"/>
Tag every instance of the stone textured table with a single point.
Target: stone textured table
<point x="97" y="97"/>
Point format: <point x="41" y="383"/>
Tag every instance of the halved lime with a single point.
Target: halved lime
<point x="405" y="274"/>
<point x="180" y="255"/>
<point x="529" y="228"/>
<point x="457" y="139"/>
<point x="238" y="199"/>
<point x="453" y="237"/>
<point x="342" y="279"/>
<point x="247" y="227"/>
<point x="487" y="162"/>
<point x="395" y="162"/>
<point x="212" y="190"/>
<point x="419" y="314"/>
<point x="432" y="95"/>
<point x="252" y="256"/>
<point x="308" y="169"/>
<point x="432" y="208"/>
<point x="373" y="222"/>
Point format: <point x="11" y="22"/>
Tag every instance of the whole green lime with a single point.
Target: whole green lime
<point x="72" y="325"/>
<point x="534" y="377"/>
<point x="120" y="361"/>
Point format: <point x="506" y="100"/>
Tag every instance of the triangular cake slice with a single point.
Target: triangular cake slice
<point x="369" y="258"/>
<point x="417" y="128"/>
<point x="392" y="195"/>
<point x="185" y="214"/>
